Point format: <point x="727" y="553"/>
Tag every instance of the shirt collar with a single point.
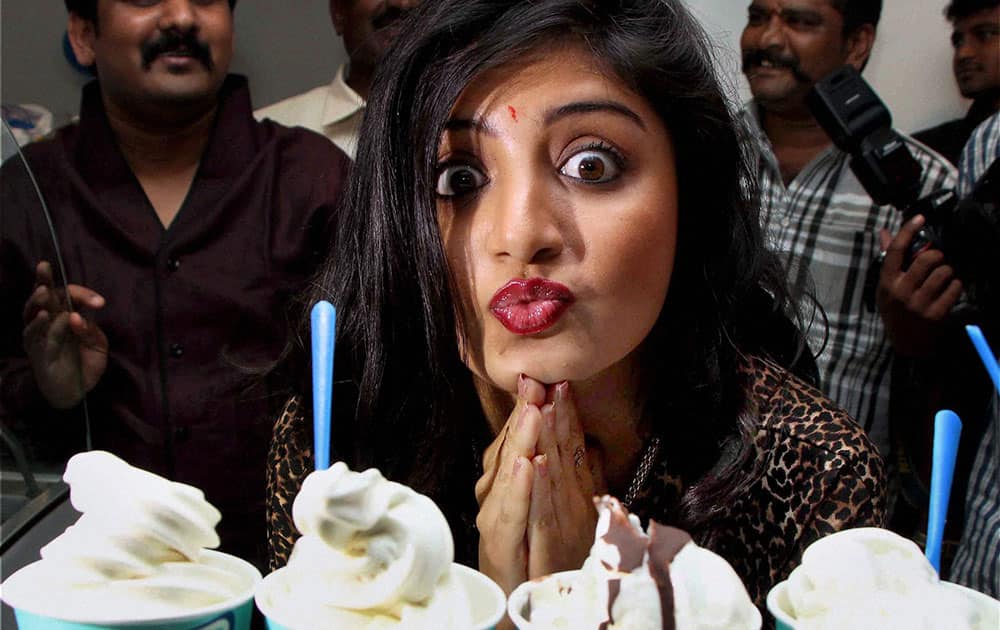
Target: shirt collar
<point x="754" y="126"/>
<point x="978" y="112"/>
<point x="754" y="123"/>
<point x="753" y="119"/>
<point x="230" y="148"/>
<point x="116" y="195"/>
<point x="233" y="143"/>
<point x="342" y="101"/>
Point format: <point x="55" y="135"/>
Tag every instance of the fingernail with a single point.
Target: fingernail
<point x="522" y="385"/>
<point x="519" y="463"/>
<point x="542" y="465"/>
<point x="562" y="391"/>
<point x="549" y="415"/>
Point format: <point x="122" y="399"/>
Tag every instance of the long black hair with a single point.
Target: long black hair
<point x="415" y="414"/>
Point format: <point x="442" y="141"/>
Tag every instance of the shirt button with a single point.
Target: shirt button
<point x="173" y="264"/>
<point x="181" y="433"/>
<point x="176" y="350"/>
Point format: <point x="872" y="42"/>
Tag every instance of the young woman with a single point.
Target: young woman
<point x="552" y="282"/>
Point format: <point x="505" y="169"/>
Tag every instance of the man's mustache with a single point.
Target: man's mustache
<point x="757" y="56"/>
<point x="388" y="16"/>
<point x="175" y="41"/>
<point x="970" y="65"/>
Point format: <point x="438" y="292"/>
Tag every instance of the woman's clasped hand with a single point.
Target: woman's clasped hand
<point x="536" y="494"/>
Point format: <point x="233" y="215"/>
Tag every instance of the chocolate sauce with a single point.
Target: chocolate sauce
<point x="662" y="544"/>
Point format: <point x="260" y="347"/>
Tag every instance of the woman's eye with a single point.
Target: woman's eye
<point x="592" y="166"/>
<point x="459" y="179"/>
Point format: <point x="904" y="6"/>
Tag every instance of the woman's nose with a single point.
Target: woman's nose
<point x="527" y="222"/>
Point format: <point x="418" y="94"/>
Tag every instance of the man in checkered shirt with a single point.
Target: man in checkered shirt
<point x="820" y="217"/>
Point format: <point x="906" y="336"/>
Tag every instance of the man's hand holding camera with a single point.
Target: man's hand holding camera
<point x="915" y="300"/>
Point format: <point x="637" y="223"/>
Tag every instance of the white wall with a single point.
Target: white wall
<point x="285" y="47"/>
<point x="910" y="67"/>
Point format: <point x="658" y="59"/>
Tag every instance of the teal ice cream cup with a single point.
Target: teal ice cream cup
<point x="780" y="608"/>
<point x="486" y="600"/>
<point x="22" y="589"/>
<point x="519" y="602"/>
<point x="983" y="611"/>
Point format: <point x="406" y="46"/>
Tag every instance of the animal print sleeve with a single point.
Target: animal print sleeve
<point x="854" y="496"/>
<point x="288" y="463"/>
<point x="821" y="473"/>
<point x="839" y="478"/>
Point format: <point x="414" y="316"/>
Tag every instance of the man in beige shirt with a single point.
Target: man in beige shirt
<point x="335" y="110"/>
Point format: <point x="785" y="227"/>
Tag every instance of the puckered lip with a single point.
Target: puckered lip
<point x="529" y="306"/>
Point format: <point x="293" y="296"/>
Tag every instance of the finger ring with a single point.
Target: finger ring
<point x="578" y="456"/>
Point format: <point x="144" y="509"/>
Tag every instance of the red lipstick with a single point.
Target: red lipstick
<point x="526" y="307"/>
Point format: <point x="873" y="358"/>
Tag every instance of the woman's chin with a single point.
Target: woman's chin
<point x="506" y="378"/>
<point x="554" y="367"/>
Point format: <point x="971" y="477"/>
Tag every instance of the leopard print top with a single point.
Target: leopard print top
<point x="820" y="474"/>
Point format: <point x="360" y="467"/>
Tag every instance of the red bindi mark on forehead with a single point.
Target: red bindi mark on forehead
<point x="513" y="112"/>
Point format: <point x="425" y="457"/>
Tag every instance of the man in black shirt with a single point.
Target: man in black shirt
<point x="976" y="39"/>
<point x="186" y="227"/>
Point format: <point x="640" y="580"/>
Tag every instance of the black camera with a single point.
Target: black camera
<point x="967" y="230"/>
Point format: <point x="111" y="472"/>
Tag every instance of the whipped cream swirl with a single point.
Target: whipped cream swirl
<point x="133" y="521"/>
<point x="372" y="544"/>
<point x="870" y="578"/>
<point x="138" y="552"/>
<point x="657" y="579"/>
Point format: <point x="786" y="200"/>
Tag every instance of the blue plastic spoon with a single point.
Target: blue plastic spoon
<point x="947" y="429"/>
<point x="323" y="321"/>
<point x="985" y="354"/>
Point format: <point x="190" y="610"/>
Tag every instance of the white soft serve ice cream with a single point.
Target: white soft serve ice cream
<point x="871" y="578"/>
<point x="373" y="554"/>
<point x="137" y="551"/>
<point x="658" y="579"/>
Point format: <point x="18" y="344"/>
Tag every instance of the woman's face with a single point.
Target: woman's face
<point x="557" y="203"/>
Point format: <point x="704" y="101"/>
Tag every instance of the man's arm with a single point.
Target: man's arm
<point x="934" y="367"/>
<point x="19" y="395"/>
<point x="34" y="304"/>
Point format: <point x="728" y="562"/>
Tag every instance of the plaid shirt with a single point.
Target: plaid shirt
<point x="980" y="151"/>
<point x="977" y="561"/>
<point x="826" y="228"/>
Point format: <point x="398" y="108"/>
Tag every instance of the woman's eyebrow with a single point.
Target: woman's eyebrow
<point x="477" y="125"/>
<point x="481" y="126"/>
<point x="586" y="107"/>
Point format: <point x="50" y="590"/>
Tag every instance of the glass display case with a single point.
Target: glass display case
<point x="34" y="505"/>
